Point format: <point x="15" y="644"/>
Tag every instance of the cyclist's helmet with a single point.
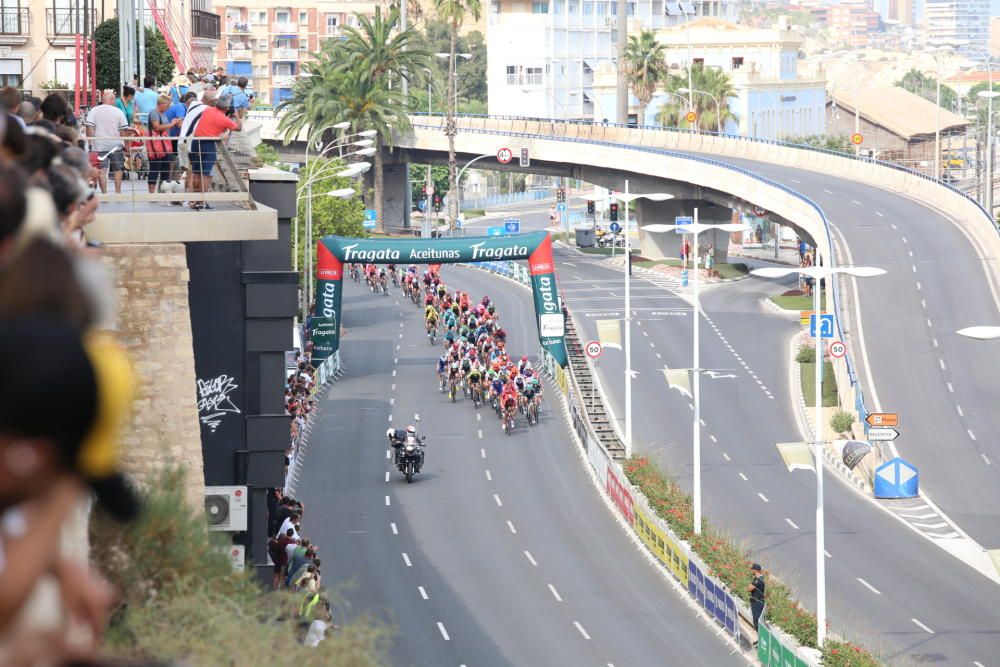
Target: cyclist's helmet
<point x="524" y="358"/>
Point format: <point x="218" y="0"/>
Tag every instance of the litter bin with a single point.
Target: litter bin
<point x="585" y="237"/>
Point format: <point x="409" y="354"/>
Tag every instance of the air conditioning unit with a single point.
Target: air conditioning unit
<point x="237" y="556"/>
<point x="226" y="508"/>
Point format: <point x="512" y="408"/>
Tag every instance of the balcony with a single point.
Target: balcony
<point x="282" y="81"/>
<point x="62" y="25"/>
<point x="15" y="26"/>
<point x="234" y="27"/>
<point x="205" y="25"/>
<point x="285" y="54"/>
<point x="284" y="28"/>
<point x="239" y="54"/>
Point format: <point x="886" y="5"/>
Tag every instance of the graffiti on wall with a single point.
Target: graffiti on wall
<point x="214" y="400"/>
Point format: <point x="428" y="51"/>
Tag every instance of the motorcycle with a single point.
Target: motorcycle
<point x="411" y="456"/>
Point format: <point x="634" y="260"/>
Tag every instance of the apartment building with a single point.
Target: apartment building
<point x="854" y="23"/>
<point x="542" y="54"/>
<point x="38" y="37"/>
<point x="268" y="44"/>
<point x="962" y="23"/>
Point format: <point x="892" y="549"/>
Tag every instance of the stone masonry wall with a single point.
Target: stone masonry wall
<point x="151" y="281"/>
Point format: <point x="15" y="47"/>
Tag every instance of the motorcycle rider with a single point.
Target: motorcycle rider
<point x="396" y="437"/>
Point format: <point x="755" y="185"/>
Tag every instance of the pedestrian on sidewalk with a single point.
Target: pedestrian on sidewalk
<point x="756" y="589"/>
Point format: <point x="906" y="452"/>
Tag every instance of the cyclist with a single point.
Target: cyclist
<point x="454" y="374"/>
<point x="430" y="318"/>
<point x="508" y="401"/>
<point x="442" y="366"/>
<point x="524" y="364"/>
<point x="474" y="376"/>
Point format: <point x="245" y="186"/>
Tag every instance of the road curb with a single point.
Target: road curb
<point x="778" y="310"/>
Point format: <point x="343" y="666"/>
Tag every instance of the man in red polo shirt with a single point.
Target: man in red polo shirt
<point x="214" y="123"/>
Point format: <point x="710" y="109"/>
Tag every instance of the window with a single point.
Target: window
<point x="539" y="8"/>
<point x="283" y="69"/>
<point x="698" y="62"/>
<point x="533" y="76"/>
<point x="602" y="9"/>
<point x="574" y="7"/>
<point x="304" y="18"/>
<point x="258" y="18"/>
<point x="511" y="75"/>
<point x="11" y="72"/>
<point x="331" y="24"/>
<point x="281" y="16"/>
<point x="631" y="9"/>
<point x="588" y="8"/>
<point x="737" y="62"/>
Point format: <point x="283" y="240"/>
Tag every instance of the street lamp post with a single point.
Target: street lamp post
<point x="695" y="229"/>
<point x="980" y="333"/>
<point x="718" y="108"/>
<point x="626" y="198"/>
<point x="988" y="95"/>
<point x="454" y="78"/>
<point x="818" y="273"/>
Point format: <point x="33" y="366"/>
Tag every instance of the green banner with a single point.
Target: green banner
<point x="772" y="653"/>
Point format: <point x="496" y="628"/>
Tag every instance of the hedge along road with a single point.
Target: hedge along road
<point x="747" y="489"/>
<point x="501" y="552"/>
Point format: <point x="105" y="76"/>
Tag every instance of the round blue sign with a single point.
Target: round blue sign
<point x="615" y="227"/>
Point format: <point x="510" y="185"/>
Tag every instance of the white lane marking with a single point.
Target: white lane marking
<point x="828" y="554"/>
<point x="763" y="497"/>
<point x="512" y="528"/>
<point x="659" y="356"/>
<point x="794" y="180"/>
<point x="388" y="454"/>
<point x="555" y="593"/>
<point x="923" y="303"/>
<point x="387" y="475"/>
<point x="911" y="253"/>
<point x="941" y="361"/>
<point x="423" y="593"/>
<point x="387" y="501"/>
<point x="527" y="554"/>
<point x="904" y="239"/>
<point x="712" y="437"/>
<point x="703" y="422"/>
<point x="582" y="631"/>
<point x="400" y="335"/>
<point x="893" y="226"/>
<point x="879" y="214"/>
<point x="691" y="405"/>
<point x="950" y="388"/>
<point x="978" y="664"/>
<point x="855" y="201"/>
<point x="869" y="586"/>
<point x="395" y="531"/>
<point x="400" y="325"/>
<point x="645" y="334"/>
<point x="497" y="498"/>
<point x="482" y="453"/>
<point x="479" y="417"/>
<point x="480" y="431"/>
<point x="744" y="477"/>
<point x="396" y="360"/>
<point x="914" y="267"/>
<point x="929" y="322"/>
<point x="971" y="434"/>
<point x="394" y="373"/>
<point x="406" y="559"/>
<point x="726" y="456"/>
<point x="489" y="477"/>
<point x="444" y="633"/>
<point x="397" y="348"/>
<point x="829" y="192"/>
<point x="922" y="626"/>
<point x="919" y="286"/>
<point x="394" y="387"/>
<point x="392" y="401"/>
<point x="791" y="523"/>
<point x="986" y="460"/>
<point x="390" y="418"/>
<point x="959" y="408"/>
<point x="935" y="341"/>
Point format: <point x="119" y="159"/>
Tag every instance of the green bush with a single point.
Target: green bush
<point x="181" y="599"/>
<point x="806" y="355"/>
<point x="842" y="421"/>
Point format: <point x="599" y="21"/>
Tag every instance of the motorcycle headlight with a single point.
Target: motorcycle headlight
<point x="409" y="449"/>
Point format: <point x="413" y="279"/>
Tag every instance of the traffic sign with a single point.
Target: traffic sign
<point x="882" y="419"/>
<point x="525" y="160"/>
<point x="512" y="225"/>
<point x="804" y="316"/>
<point x="429" y="190"/>
<point x="561" y="207"/>
<point x="682" y="220"/>
<point x="594" y="349"/>
<point x="690" y="116"/>
<point x="857" y="138"/>
<point x="837" y="349"/>
<point x="882" y="434"/>
<point x="422" y="204"/>
<point x="896" y="479"/>
<point x="494" y="231"/>
<point x="615" y="227"/>
<point x="505" y="155"/>
<point x="825" y="326"/>
<point x="369" y="222"/>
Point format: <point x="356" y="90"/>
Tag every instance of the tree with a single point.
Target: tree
<point x="646" y="67"/>
<point x="830" y="142"/>
<point x="925" y="86"/>
<point x="706" y="79"/>
<point x="471" y="74"/>
<point x="159" y="61"/>
<point x="357" y="80"/>
<point x="973" y="101"/>
<point x="454" y="11"/>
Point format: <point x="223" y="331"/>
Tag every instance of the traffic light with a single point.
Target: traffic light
<point x="561" y="195"/>
<point x="591" y="208"/>
<point x="437" y="203"/>
<point x="613" y="212"/>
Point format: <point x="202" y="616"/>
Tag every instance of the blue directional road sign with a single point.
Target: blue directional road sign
<point x="825" y="325"/>
<point x="682" y="220"/>
<point x="896" y="479"/>
<point x="369" y="218"/>
<point x="511" y="225"/>
<point x="494" y="231"/>
<point x="615" y="227"/>
<point x="561" y="207"/>
<point x="422" y="204"/>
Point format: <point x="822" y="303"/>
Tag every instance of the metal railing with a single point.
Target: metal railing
<point x="205" y="25"/>
<point x="15" y="22"/>
<point x="67" y="22"/>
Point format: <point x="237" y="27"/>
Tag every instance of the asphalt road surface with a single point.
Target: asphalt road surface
<point x="886" y="585"/>
<point x="501" y="552"/>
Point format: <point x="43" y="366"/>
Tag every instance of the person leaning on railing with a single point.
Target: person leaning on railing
<point x="160" y="150"/>
<point x="213" y="125"/>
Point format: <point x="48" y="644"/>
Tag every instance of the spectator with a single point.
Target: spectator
<point x="13" y="206"/>
<point x="289" y="524"/>
<point x="317" y="629"/>
<point x="107" y="121"/>
<point x="55" y="109"/>
<point x="756" y="590"/>
<point x="161" y="154"/>
<point x="146" y="98"/>
<point x="127" y="103"/>
<point x="241" y="101"/>
<point x="27" y="111"/>
<point x="211" y="128"/>
<point x="281" y="550"/>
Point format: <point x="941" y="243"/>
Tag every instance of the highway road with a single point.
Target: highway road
<point x="887" y="586"/>
<point x="501" y="552"/>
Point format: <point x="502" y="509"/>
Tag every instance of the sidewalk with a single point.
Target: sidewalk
<point x="787" y="254"/>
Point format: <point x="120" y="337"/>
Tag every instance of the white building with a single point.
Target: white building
<point x="960" y="22"/>
<point x="542" y="55"/>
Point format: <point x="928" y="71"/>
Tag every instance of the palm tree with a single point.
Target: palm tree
<point x="705" y="80"/>
<point x="454" y="11"/>
<point x="646" y="67"/>
<point x="352" y="80"/>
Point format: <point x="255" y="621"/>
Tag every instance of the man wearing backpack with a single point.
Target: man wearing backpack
<point x="190" y="123"/>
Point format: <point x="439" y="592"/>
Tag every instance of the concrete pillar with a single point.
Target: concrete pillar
<point x="661" y="246"/>
<point x="396" y="192"/>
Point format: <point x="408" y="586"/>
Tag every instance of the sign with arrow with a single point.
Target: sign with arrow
<point x="896" y="479"/>
<point x="882" y="434"/>
<point x="882" y="419"/>
<point x="821" y="326"/>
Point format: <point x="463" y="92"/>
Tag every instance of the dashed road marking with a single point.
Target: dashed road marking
<point x="555" y="593"/>
<point x="527" y="554"/>
<point x="922" y="626"/>
<point x="791" y="523"/>
<point x="444" y="633"/>
<point x="950" y="388"/>
<point x="497" y="498"/>
<point x="480" y="431"/>
<point x="904" y="239"/>
<point x="986" y="459"/>
<point x="388" y="454"/>
<point x="763" y="497"/>
<point x="829" y="192"/>
<point x="919" y="287"/>
<point x="893" y="226"/>
<point x="929" y="322"/>
<point x="971" y="434"/>
<point x="387" y="501"/>
<point x="869" y="586"/>
<point x="423" y="593"/>
<point x="512" y="528"/>
<point x="959" y="408"/>
<point x="489" y="477"/>
<point x="726" y="456"/>
<point x="941" y="362"/>
<point x="406" y="559"/>
<point x="879" y="214"/>
<point x="935" y="341"/>
<point x="395" y="531"/>
<point x="582" y="631"/>
<point x="712" y="438"/>
<point x="914" y="267"/>
<point x="744" y="477"/>
<point x="390" y="419"/>
<point x="387" y="475"/>
<point x="482" y="453"/>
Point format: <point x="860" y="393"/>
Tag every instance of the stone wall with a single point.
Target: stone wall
<point x="151" y="281"/>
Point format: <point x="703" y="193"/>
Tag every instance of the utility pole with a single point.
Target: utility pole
<point x="621" y="25"/>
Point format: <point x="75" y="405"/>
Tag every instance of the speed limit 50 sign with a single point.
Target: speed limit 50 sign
<point x="838" y="349"/>
<point x="594" y="349"/>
